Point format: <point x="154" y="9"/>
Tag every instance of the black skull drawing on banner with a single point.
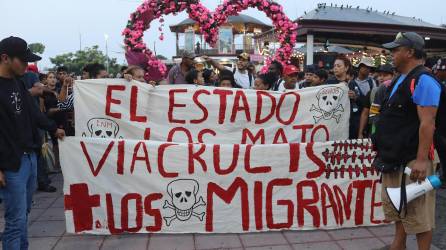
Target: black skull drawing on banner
<point x="329" y="106"/>
<point x="183" y="200"/>
<point x="102" y="128"/>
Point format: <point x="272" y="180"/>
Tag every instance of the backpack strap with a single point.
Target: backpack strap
<point x="250" y="79"/>
<point x="371" y="83"/>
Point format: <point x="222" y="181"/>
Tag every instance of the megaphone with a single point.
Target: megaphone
<point x="413" y="190"/>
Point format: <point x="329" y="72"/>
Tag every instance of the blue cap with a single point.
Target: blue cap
<point x="435" y="181"/>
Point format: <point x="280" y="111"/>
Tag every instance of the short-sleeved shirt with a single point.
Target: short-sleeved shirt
<point x="427" y="92"/>
<point x="242" y="79"/>
<point x="176" y="76"/>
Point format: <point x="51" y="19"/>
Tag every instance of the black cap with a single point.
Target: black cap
<point x="408" y="39"/>
<point x="310" y="69"/>
<point x="17" y="47"/>
<point x="386" y="68"/>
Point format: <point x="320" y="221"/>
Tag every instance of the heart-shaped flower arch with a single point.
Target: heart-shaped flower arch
<point x="137" y="52"/>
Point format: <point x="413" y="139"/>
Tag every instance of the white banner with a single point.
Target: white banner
<point x="130" y="186"/>
<point x="112" y="108"/>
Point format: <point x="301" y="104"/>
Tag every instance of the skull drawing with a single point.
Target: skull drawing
<point x="328" y="104"/>
<point x="102" y="128"/>
<point x="183" y="197"/>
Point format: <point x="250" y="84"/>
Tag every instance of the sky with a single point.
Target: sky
<point x="67" y="25"/>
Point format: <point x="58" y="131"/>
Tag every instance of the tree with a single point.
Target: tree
<point x="38" y="48"/>
<point x="77" y="60"/>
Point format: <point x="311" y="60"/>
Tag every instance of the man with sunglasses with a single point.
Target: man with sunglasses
<point x="404" y="137"/>
<point x="20" y="119"/>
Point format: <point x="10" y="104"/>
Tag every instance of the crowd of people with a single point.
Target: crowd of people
<point x="47" y="115"/>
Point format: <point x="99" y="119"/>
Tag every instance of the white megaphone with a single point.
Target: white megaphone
<point x="413" y="190"/>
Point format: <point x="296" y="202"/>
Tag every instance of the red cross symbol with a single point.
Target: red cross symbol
<point x="82" y="204"/>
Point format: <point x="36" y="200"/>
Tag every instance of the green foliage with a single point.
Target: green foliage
<point x="37" y="48"/>
<point x="77" y="60"/>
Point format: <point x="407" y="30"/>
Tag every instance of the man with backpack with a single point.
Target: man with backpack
<point x="361" y="85"/>
<point x="404" y="137"/>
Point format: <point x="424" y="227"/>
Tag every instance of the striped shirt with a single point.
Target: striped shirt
<point x="68" y="104"/>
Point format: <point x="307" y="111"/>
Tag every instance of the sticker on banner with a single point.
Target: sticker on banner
<point x="102" y="128"/>
<point x="183" y="200"/>
<point x="329" y="106"/>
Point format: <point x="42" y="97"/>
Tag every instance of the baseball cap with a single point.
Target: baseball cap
<point x="367" y="61"/>
<point x="188" y="54"/>
<point x="290" y="69"/>
<point x="386" y="68"/>
<point x="33" y="68"/>
<point x="244" y="56"/>
<point x="409" y="39"/>
<point x="310" y="69"/>
<point x="17" y="47"/>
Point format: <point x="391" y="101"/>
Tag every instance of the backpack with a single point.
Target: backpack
<point x="440" y="121"/>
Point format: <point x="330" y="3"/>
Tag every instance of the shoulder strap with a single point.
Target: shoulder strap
<point x="371" y="84"/>
<point x="250" y="79"/>
<point x="233" y="70"/>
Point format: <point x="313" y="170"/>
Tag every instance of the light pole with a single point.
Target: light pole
<point x="106" y="51"/>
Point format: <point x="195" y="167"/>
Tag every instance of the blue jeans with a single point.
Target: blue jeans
<point x="17" y="197"/>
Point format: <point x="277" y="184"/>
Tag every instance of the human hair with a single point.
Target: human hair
<point x="132" y="69"/>
<point x="321" y="73"/>
<point x="95" y="68"/>
<point x="207" y="73"/>
<point x="268" y="79"/>
<point x="191" y="76"/>
<point x="42" y="76"/>
<point x="123" y="68"/>
<point x="227" y="77"/>
<point x="346" y="61"/>
<point x="61" y="69"/>
<point x="278" y="65"/>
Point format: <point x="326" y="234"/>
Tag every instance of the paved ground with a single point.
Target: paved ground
<point x="47" y="231"/>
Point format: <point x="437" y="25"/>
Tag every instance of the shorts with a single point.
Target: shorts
<point x="420" y="215"/>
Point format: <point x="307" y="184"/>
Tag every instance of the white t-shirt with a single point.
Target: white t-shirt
<point x="241" y="79"/>
<point x="283" y="89"/>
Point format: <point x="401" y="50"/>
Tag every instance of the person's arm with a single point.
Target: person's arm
<point x="363" y="122"/>
<point x="64" y="91"/>
<point x="427" y="117"/>
<point x="214" y="63"/>
<point x="170" y="76"/>
<point x="427" y="98"/>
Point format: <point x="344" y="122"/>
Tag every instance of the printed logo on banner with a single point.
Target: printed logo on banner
<point x="329" y="106"/>
<point x="102" y="128"/>
<point x="349" y="159"/>
<point x="183" y="200"/>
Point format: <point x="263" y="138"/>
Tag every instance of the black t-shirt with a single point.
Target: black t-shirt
<point x="12" y="98"/>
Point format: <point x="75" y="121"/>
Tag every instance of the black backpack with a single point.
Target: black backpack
<point x="440" y="121"/>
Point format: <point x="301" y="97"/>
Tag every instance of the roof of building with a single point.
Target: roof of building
<point x="357" y="15"/>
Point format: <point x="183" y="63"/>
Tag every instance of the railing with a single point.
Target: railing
<point x="236" y="49"/>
